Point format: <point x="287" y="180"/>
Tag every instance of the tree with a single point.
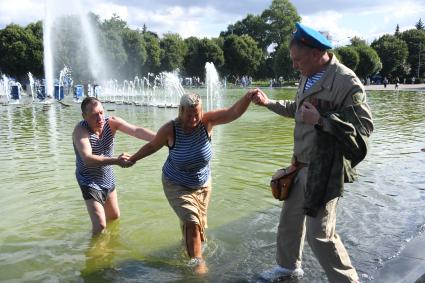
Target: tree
<point x="36" y="49"/>
<point x="282" y="63"/>
<point x="397" y="30"/>
<point x="153" y="49"/>
<point x="415" y="40"/>
<point x="111" y="42"/>
<point x="349" y="56"/>
<point x="21" y="51"/>
<point x="242" y="55"/>
<point x="200" y="52"/>
<point x="420" y="25"/>
<point x="173" y="52"/>
<point x="135" y="47"/>
<point x="392" y="52"/>
<point x="369" y="62"/>
<point x="357" y="41"/>
<point x="254" y="26"/>
<point x="280" y="17"/>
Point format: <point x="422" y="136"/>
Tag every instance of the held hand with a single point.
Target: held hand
<point x="260" y="98"/>
<point x="309" y="113"/>
<point x="124" y="160"/>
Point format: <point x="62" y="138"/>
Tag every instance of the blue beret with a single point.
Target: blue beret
<point x="311" y="37"/>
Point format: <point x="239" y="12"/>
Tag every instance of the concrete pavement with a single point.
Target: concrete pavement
<point x="401" y="87"/>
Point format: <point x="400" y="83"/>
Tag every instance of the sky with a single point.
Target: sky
<point x="343" y="19"/>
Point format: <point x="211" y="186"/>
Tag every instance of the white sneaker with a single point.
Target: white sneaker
<point x="279" y="272"/>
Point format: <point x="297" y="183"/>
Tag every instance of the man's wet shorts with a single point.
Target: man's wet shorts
<point x="98" y="195"/>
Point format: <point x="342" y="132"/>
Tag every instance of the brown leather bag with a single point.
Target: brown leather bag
<point x="282" y="181"/>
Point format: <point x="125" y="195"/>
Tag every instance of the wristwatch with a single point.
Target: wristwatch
<point x="319" y="124"/>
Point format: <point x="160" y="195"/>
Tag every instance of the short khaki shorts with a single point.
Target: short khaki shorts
<point x="189" y="204"/>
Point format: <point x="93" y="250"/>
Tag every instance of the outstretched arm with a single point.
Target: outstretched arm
<point x="285" y="108"/>
<point x="80" y="138"/>
<point x="227" y="115"/>
<point x="117" y="123"/>
<point x="163" y="137"/>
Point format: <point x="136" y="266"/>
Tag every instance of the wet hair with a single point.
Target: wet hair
<point x="87" y="101"/>
<point x="189" y="100"/>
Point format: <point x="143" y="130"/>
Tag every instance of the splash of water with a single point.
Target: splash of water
<point x="212" y="82"/>
<point x="4" y="88"/>
<point x="172" y="87"/>
<point x="48" y="48"/>
<point x="32" y="88"/>
<point x="95" y="63"/>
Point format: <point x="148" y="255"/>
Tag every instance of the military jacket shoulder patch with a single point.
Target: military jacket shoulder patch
<point x="359" y="97"/>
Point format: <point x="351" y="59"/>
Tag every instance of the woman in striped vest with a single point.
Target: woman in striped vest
<point x="186" y="174"/>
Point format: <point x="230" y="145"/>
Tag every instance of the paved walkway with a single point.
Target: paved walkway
<point x="402" y="87"/>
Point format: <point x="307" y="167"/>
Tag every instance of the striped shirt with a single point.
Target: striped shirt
<point x="188" y="159"/>
<point x="99" y="177"/>
<point x="313" y="79"/>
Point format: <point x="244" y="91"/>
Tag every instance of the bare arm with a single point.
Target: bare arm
<point x="163" y="137"/>
<point x="80" y="138"/>
<point x="227" y="115"/>
<point x="117" y="123"/>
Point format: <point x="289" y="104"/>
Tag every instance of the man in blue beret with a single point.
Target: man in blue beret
<point x="329" y="110"/>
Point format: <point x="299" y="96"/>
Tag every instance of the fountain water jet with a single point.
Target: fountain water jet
<point x="212" y="82"/>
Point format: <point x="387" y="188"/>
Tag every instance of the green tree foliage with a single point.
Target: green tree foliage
<point x="369" y="63"/>
<point x="282" y="63"/>
<point x="348" y="56"/>
<point x="153" y="49"/>
<point x="242" y="55"/>
<point x="420" y="25"/>
<point x="397" y="30"/>
<point x="415" y="40"/>
<point x="173" y="52"/>
<point x="135" y="47"/>
<point x="36" y="48"/>
<point x="21" y="51"/>
<point x="252" y="25"/>
<point x="393" y="53"/>
<point x="200" y="52"/>
<point x="266" y="68"/>
<point x="111" y="42"/>
<point x="357" y="41"/>
<point x="280" y="17"/>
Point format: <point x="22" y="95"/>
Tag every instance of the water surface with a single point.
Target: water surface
<point x="45" y="229"/>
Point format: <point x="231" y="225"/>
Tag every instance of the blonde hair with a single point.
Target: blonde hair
<point x="189" y="100"/>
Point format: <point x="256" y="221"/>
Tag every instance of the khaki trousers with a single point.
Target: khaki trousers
<point x="321" y="235"/>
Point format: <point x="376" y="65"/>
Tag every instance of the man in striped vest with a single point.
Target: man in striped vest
<point x="93" y="140"/>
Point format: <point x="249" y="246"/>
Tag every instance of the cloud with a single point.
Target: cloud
<point x="16" y="13"/>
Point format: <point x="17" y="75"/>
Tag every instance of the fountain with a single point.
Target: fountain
<point x="213" y="86"/>
<point x="94" y="62"/>
<point x="4" y="90"/>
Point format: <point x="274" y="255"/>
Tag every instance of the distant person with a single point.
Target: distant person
<point x="186" y="175"/>
<point x="385" y="81"/>
<point x="397" y="83"/>
<point x="332" y="123"/>
<point x="413" y="80"/>
<point x="93" y="140"/>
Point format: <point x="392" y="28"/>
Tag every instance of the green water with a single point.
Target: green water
<point x="45" y="229"/>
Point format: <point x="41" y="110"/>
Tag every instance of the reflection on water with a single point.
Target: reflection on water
<point x="45" y="230"/>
